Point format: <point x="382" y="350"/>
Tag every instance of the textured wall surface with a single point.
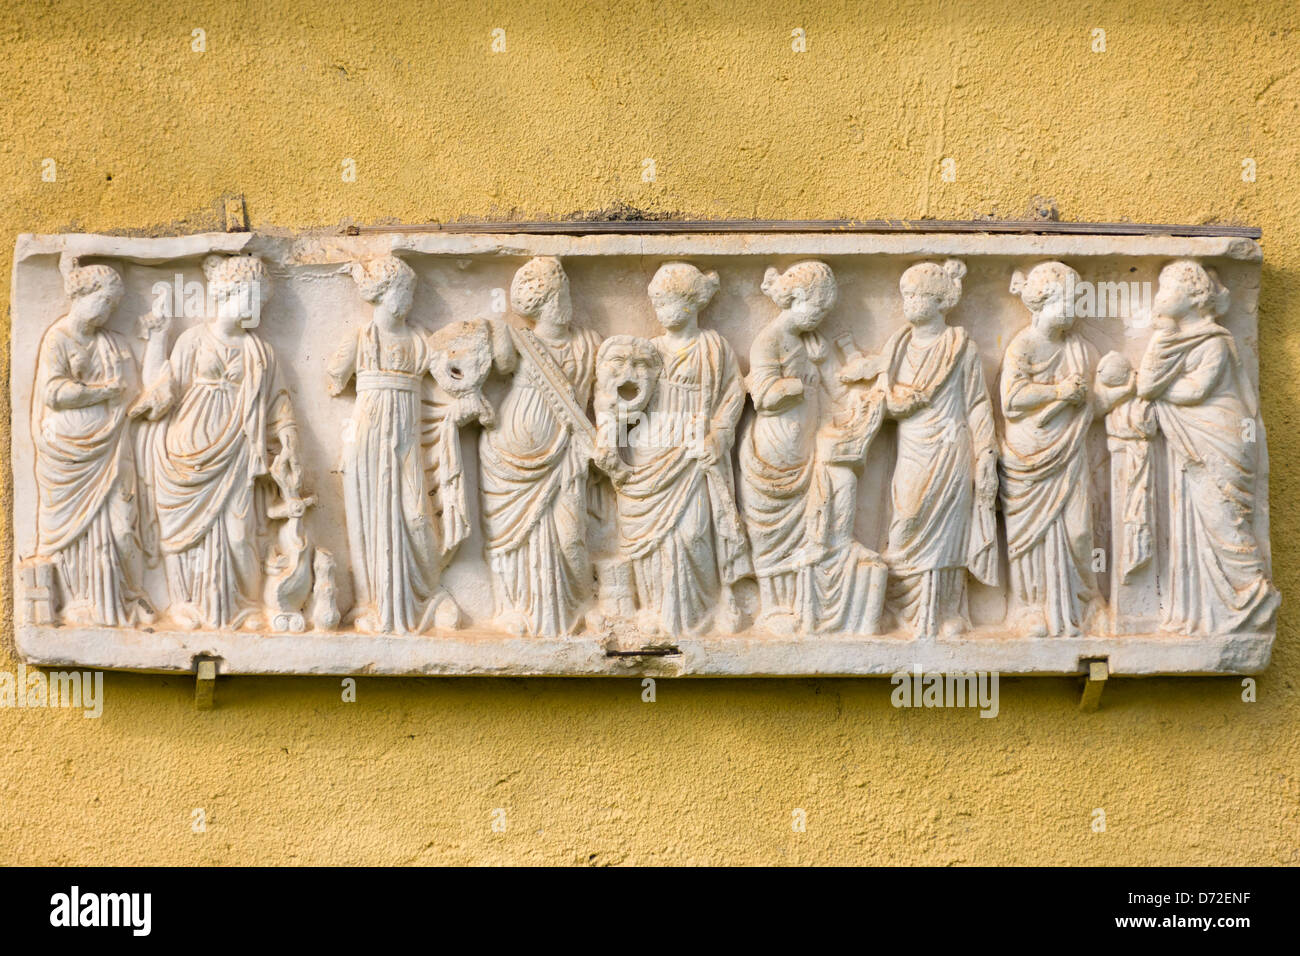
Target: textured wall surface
<point x="147" y="135"/>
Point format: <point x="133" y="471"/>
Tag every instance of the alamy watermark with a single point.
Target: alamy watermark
<point x="194" y="300"/>
<point x="636" y="429"/>
<point x="1130" y="301"/>
<point x="915" y="688"/>
<point x="36" y="688"/>
<point x="75" y="908"/>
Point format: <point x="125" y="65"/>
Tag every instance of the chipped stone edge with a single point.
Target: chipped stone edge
<point x="483" y="654"/>
<point x="323" y="249"/>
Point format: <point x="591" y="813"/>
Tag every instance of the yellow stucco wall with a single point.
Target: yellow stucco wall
<point x="147" y="135"/>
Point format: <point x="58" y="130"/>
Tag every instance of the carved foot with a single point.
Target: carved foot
<point x="1097" y="618"/>
<point x="1032" y="623"/>
<point x="79" y="614"/>
<point x="186" y="616"/>
<point x="141" y="613"/>
<point x="649" y="624"/>
<point x="727" y="619"/>
<point x="443" y="613"/>
<point x="953" y="627"/>
<point x="290" y="621"/>
<point x="782" y="623"/>
<point x="512" y="622"/>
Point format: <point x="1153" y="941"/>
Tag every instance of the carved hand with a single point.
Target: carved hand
<point x="608" y="461"/>
<point x="151" y="405"/>
<point x="786" y="393"/>
<point x="986" y="478"/>
<point x="464" y="411"/>
<point x="862" y="368"/>
<point x="504" y="357"/>
<point x="109" y="391"/>
<point x="155" y="322"/>
<point x="903" y="400"/>
<point x="707" y="450"/>
<point x="1073" y="390"/>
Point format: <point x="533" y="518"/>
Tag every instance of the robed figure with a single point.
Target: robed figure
<point x="1047" y="409"/>
<point x="533" y="473"/>
<point x="86" y="376"/>
<point x="228" y="418"/>
<point x="797" y="484"/>
<point x="944" y="487"/>
<point x="392" y="533"/>
<point x="1208" y="415"/>
<point x="677" y="521"/>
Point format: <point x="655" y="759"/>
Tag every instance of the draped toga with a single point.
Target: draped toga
<point x="391" y="534"/>
<point x="229" y="403"/>
<point x="534" y="495"/>
<point x="1206" y="409"/>
<point x="799" y="505"/>
<point x="678" y="527"/>
<point x="939" y="529"/>
<point x="1045" y="484"/>
<point x="85" y="475"/>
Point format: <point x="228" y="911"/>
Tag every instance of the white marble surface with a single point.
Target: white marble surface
<point x="314" y="306"/>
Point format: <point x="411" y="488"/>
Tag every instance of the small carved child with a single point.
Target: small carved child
<point x="1130" y="426"/>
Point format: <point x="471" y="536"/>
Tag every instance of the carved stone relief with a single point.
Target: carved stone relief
<point x="702" y="454"/>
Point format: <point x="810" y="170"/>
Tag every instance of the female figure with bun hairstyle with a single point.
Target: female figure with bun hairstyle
<point x="678" y="526"/>
<point x="534" y="474"/>
<point x="1207" y="410"/>
<point x="228" y="423"/>
<point x="1047" y="408"/>
<point x="85" y="469"/>
<point x="945" y="483"/>
<point x="796" y="497"/>
<point x="391" y="532"/>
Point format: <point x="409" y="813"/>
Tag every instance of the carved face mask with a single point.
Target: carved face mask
<point x="462" y="357"/>
<point x="626" y="376"/>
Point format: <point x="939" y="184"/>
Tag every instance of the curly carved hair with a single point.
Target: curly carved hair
<point x="536" y="281"/>
<point x="85" y="280"/>
<point x="684" y="280"/>
<point x="1036" y="287"/>
<point x="1202" y="285"/>
<point x="809" y="281"/>
<point x="375" y="277"/>
<point x="940" y="279"/>
<point x="232" y="270"/>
